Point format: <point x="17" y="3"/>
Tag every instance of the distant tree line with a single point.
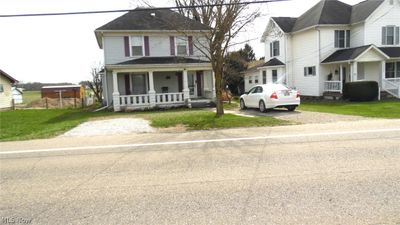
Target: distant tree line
<point x="37" y="86"/>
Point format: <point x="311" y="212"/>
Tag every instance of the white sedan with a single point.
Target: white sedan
<point x="269" y="96"/>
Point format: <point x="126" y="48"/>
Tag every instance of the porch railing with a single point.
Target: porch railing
<point x="394" y="80"/>
<point x="392" y="85"/>
<point x="134" y="100"/>
<point x="166" y="98"/>
<point x="333" y="86"/>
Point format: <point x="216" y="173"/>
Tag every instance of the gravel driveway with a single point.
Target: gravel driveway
<point x="111" y="126"/>
<point x="299" y="116"/>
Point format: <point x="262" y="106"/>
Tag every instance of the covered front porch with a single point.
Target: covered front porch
<point x="366" y="63"/>
<point x="141" y="87"/>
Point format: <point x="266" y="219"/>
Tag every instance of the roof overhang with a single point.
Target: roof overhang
<point x="10" y="78"/>
<point x="159" y="67"/>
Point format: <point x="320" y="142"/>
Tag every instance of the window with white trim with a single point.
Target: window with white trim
<point x="181" y="45"/>
<point x="264" y="76"/>
<point x="274" y="48"/>
<point x="390" y="35"/>
<point x="136" y="46"/>
<point x="309" y="71"/>
<point x="250" y="79"/>
<point x="392" y="70"/>
<point x="274" y="76"/>
<point x="342" y="38"/>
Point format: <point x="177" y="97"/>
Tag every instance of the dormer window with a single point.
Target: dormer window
<point x="342" y="38"/>
<point x="274" y="48"/>
<point x="390" y="35"/>
<point x="136" y="46"/>
<point x="181" y="46"/>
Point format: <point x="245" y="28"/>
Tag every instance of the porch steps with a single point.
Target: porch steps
<point x="332" y="95"/>
<point x="201" y="103"/>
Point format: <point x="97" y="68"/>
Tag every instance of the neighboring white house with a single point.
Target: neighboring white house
<point x="17" y="95"/>
<point x="5" y="90"/>
<point x="153" y="58"/>
<point x="333" y="43"/>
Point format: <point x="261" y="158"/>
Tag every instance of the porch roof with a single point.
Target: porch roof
<point x="351" y="54"/>
<point x="392" y="52"/>
<point x="272" y="62"/>
<point x="162" y="60"/>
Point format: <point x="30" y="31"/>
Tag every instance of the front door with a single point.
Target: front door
<point x="199" y="75"/>
<point x="192" y="85"/>
<point x="344" y="76"/>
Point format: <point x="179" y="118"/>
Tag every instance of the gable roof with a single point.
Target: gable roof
<point x="329" y="12"/>
<point x="10" y="78"/>
<point x="353" y="53"/>
<point x="153" y="19"/>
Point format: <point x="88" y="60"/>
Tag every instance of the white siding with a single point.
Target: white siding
<point x="6" y="95"/>
<point x="114" y="51"/>
<point x="282" y="52"/>
<point x="385" y="15"/>
<point x="161" y="80"/>
<point x="159" y="45"/>
<point x="305" y="53"/>
<point x="252" y="76"/>
<point x="357" y="35"/>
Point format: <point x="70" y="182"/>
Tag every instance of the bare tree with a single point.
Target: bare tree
<point x="226" y="18"/>
<point x="96" y="83"/>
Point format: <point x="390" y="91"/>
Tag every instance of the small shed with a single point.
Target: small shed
<point x="65" y="91"/>
<point x="17" y="95"/>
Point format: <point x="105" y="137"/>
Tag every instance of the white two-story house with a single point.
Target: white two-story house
<point x="333" y="43"/>
<point x="155" y="58"/>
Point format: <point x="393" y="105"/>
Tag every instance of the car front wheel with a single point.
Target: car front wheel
<point x="242" y="105"/>
<point x="261" y="106"/>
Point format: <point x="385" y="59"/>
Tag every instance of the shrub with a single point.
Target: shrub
<point x="361" y="91"/>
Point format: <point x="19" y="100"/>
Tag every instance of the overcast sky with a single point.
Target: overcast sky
<point x="64" y="48"/>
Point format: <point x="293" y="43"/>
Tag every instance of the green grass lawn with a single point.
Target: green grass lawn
<point x="37" y="123"/>
<point x="380" y="109"/>
<point x="203" y="120"/>
<point x="30" y="96"/>
<point x="34" y="124"/>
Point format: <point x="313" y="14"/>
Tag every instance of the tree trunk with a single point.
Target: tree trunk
<point x="218" y="89"/>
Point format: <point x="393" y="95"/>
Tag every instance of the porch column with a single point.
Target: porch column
<point x="186" y="93"/>
<point x="383" y="71"/>
<point x="354" y="74"/>
<point x="341" y="78"/>
<point x="116" y="103"/>
<point x="152" y="92"/>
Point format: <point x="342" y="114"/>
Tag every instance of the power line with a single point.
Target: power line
<point x="139" y="9"/>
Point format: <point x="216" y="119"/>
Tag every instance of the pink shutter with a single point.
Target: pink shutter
<point x="172" y="45"/>
<point x="190" y="40"/>
<point x="126" y="46"/>
<point x="146" y="46"/>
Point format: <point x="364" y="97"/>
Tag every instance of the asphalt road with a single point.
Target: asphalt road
<point x="347" y="176"/>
